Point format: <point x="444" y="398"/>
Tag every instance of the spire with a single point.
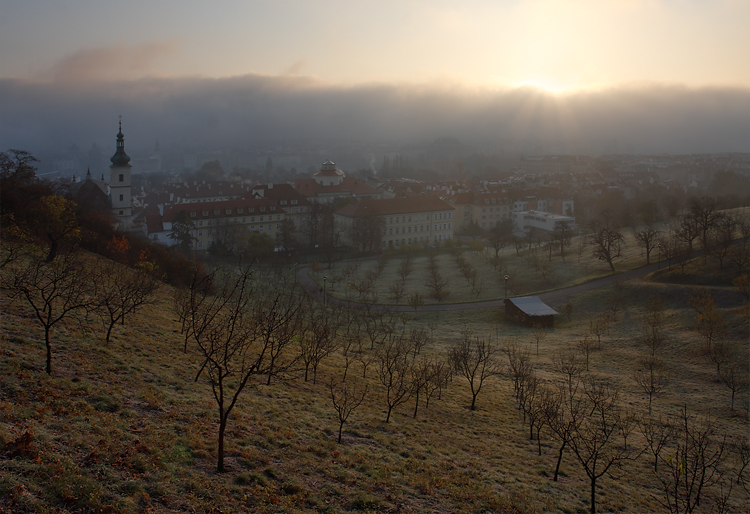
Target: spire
<point x="120" y="158"/>
<point x="88" y="173"/>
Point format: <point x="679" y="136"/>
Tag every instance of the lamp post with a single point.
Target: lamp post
<point x="324" y="290"/>
<point x="506" y="285"/>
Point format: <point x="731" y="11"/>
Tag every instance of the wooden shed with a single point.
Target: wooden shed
<point x="529" y="311"/>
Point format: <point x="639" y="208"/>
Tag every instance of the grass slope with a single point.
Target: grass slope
<point x="123" y="427"/>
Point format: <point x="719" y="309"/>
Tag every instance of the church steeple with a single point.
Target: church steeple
<point x="120" y="158"/>
<point x="119" y="184"/>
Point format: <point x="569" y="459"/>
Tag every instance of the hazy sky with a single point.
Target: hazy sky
<point x="470" y="49"/>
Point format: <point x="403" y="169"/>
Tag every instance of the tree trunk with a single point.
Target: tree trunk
<point x="559" y="459"/>
<point x="388" y="417"/>
<point x="48" y="367"/>
<point x="593" y="496"/>
<point x="222" y="428"/>
<point x="341" y="428"/>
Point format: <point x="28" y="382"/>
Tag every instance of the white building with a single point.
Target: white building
<point x="525" y="222"/>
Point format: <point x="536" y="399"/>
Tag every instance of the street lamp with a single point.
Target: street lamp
<point x="506" y="285"/>
<point x="324" y="290"/>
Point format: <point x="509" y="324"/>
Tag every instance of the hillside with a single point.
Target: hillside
<point x="125" y="427"/>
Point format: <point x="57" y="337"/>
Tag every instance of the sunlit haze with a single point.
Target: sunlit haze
<point x="467" y="50"/>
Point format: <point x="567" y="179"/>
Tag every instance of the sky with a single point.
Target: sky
<point x="398" y="69"/>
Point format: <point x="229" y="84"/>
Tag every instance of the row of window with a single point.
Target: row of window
<point x="421" y="228"/>
<point x="236" y="220"/>
<point x="210" y="232"/>
<point x="228" y="212"/>
<point x="405" y="241"/>
<point x="422" y="217"/>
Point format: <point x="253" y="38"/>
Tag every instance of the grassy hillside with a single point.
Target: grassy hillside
<point x="124" y="427"/>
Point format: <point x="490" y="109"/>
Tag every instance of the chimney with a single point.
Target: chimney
<point x="270" y="186"/>
<point x="161" y="209"/>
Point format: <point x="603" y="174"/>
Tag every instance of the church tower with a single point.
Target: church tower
<point x="119" y="183"/>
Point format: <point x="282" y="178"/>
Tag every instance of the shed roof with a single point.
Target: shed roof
<point x="533" y="306"/>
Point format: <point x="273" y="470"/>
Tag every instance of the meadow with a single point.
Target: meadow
<point x="125" y="427"/>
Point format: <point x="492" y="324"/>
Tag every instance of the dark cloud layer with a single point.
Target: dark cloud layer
<point x="253" y="110"/>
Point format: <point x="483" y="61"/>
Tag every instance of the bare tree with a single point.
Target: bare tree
<point x="397" y="292"/>
<point x="735" y="377"/>
<point x="563" y="234"/>
<point x="566" y="362"/>
<point x="476" y="360"/>
<point x="563" y="417"/>
<point x="519" y="365"/>
<point x="606" y="239"/>
<point x="318" y="341"/>
<point x="415" y="301"/>
<point x="709" y="322"/>
<point x="706" y="215"/>
<point x="658" y="434"/>
<point x="224" y="332"/>
<point x="405" y="269"/>
<point x="440" y="378"/>
<point x="693" y="465"/>
<point x="594" y="440"/>
<point x="617" y="298"/>
<point x="652" y="376"/>
<point x="59" y="292"/>
<point x="587" y="346"/>
<point x="423" y="380"/>
<point x="599" y="326"/>
<point x="647" y="239"/>
<point x="539" y="332"/>
<point x="278" y="317"/>
<point x="345" y="399"/>
<point x="120" y="292"/>
<point x="394" y="372"/>
<point x="419" y="339"/>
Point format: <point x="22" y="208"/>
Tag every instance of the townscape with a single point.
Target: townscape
<point x="364" y="312"/>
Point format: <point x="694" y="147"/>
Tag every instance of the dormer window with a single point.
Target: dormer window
<point x="262" y="209"/>
<point x="193" y="214"/>
<point x="283" y="202"/>
<point x="217" y="212"/>
<point x="273" y="208"/>
<point x="294" y="202"/>
<point x="251" y="210"/>
<point x="240" y="210"/>
<point x="205" y="214"/>
<point x="228" y="212"/>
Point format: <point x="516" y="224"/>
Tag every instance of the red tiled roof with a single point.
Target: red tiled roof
<point x="394" y="206"/>
<point x="279" y="192"/>
<point x="309" y="187"/>
<point x="154" y="224"/>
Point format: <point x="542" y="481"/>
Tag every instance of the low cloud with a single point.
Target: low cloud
<point x="117" y="62"/>
<point x="253" y="110"/>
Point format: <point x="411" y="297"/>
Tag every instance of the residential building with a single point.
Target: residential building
<point x="423" y="220"/>
<point x="527" y="222"/>
<point x="210" y="221"/>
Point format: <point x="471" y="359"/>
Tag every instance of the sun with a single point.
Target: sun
<point x="548" y="86"/>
